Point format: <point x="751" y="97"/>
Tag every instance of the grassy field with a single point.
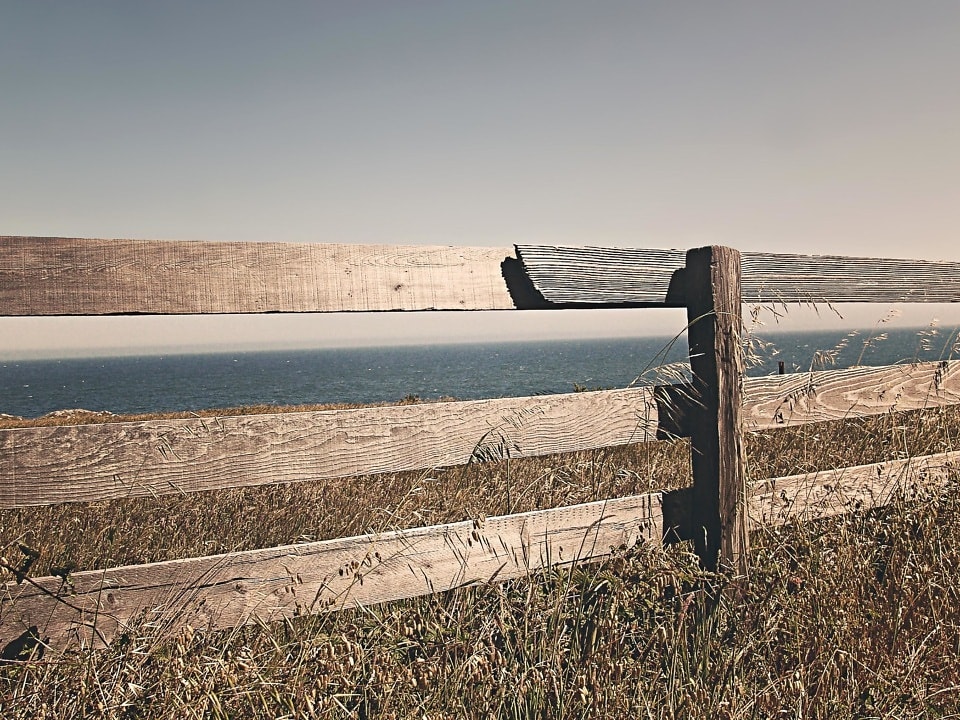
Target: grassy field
<point x="856" y="616"/>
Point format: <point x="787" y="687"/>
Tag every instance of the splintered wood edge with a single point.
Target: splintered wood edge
<point x="77" y="276"/>
<point x="605" y="276"/>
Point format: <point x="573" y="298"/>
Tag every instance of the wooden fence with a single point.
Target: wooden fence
<point x="82" y="463"/>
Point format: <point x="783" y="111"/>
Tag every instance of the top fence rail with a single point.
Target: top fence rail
<point x="70" y="276"/>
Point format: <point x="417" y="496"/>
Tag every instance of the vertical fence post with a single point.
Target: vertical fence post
<point x="718" y="511"/>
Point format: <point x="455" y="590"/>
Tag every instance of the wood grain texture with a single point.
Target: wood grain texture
<point x="69" y="276"/>
<point x="47" y="465"/>
<point x="833" y="492"/>
<point x="783" y="400"/>
<point x="40" y="466"/>
<point x="714" y="322"/>
<point x="836" y="279"/>
<point x="228" y="590"/>
<point x="601" y="276"/>
<point x="630" y="276"/>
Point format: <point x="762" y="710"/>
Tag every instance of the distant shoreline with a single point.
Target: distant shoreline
<point x="195" y="382"/>
<point x="182" y="350"/>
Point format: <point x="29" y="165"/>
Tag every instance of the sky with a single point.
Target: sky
<point x="813" y="127"/>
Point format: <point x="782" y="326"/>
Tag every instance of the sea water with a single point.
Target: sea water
<point x="158" y="383"/>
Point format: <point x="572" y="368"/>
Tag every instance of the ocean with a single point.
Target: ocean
<point x="159" y="383"/>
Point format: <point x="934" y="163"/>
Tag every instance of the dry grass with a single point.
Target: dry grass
<point x="854" y="617"/>
<point x="91" y="417"/>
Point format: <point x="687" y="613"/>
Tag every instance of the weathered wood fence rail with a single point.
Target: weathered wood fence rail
<point x="47" y="465"/>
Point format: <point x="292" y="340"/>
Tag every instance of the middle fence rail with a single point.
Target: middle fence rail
<point x="83" y="463"/>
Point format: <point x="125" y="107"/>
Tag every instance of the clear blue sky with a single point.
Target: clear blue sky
<point x="797" y="127"/>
